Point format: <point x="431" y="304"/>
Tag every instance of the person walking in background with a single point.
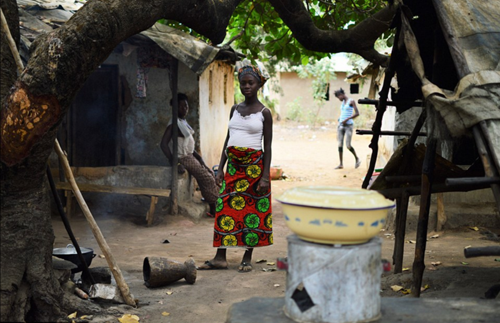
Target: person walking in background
<point x="348" y="111"/>
<point x="244" y="212"/>
<point x="189" y="159"/>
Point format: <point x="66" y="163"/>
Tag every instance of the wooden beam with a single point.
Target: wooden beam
<point x="388" y="133"/>
<point x="115" y="189"/>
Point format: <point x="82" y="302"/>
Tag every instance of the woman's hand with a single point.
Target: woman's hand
<point x="263" y="185"/>
<point x="220" y="177"/>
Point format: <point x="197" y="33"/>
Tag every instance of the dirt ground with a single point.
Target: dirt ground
<point x="307" y="158"/>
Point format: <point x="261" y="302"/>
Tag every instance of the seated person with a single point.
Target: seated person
<point x="189" y="159"/>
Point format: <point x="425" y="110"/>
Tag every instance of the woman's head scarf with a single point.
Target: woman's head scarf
<point x="254" y="71"/>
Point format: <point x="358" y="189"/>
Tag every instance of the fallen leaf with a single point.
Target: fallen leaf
<point x="435" y="236"/>
<point x="260" y="261"/>
<point x="72" y="316"/>
<point x="412" y="241"/>
<point x="436" y="263"/>
<point x="160" y="302"/>
<point x="170" y="292"/>
<point x="424" y="288"/>
<point x="102" y="256"/>
<point x="431" y="268"/>
<point x="467" y="247"/>
<point x="406" y="269"/>
<point x="396" y="288"/>
<point x="497" y="259"/>
<point x="83" y="317"/>
<point x="474" y="228"/>
<point x="406" y="291"/>
<point x="464" y="263"/>
<point x="268" y="269"/>
<point x="165" y="313"/>
<point x="270" y="263"/>
<point x="129" y="318"/>
<point x="276" y="285"/>
<point x="387" y="234"/>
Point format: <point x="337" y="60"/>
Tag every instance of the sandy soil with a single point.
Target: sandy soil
<point x="307" y="158"/>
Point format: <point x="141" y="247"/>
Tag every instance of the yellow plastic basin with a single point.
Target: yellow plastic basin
<point x="334" y="215"/>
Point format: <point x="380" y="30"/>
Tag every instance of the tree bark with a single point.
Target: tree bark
<point x="359" y="40"/>
<point x="34" y="106"/>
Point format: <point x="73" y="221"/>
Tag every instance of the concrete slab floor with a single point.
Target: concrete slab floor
<point x="394" y="310"/>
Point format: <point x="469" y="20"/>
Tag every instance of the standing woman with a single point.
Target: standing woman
<point x="244" y="213"/>
<point x="348" y="111"/>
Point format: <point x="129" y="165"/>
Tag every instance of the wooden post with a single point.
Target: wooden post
<point x="441" y="213"/>
<point x="423" y="217"/>
<point x="174" y="67"/>
<point x="117" y="274"/>
<point x="488" y="163"/>
<point x="151" y="212"/>
<point x="399" y="242"/>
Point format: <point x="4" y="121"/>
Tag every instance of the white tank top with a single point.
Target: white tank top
<point x="246" y="131"/>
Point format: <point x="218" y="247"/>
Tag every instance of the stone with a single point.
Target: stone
<point x="101" y="275"/>
<point x="106" y="292"/>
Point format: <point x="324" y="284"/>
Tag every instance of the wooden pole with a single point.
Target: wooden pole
<point x="381" y="107"/>
<point x="399" y="243"/>
<point x="12" y="43"/>
<point x="174" y="204"/>
<point x="117" y="274"/>
<point x="423" y="216"/>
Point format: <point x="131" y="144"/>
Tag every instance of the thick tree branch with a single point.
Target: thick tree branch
<point x="359" y="40"/>
<point x="63" y="59"/>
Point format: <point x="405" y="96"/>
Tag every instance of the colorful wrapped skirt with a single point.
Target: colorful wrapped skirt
<point x="244" y="215"/>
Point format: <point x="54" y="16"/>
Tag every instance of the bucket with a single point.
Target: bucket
<point x="333" y="283"/>
<point x="159" y="271"/>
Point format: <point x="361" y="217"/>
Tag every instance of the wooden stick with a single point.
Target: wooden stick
<point x="12" y="43"/>
<point x="151" y="212"/>
<point x="120" y="282"/>
<point x="423" y="217"/>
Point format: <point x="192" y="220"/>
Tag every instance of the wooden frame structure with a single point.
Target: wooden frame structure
<point x="425" y="183"/>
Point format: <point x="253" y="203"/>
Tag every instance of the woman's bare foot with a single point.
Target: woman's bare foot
<point x="245" y="267"/>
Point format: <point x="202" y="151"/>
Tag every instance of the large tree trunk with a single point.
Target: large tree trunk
<point x="60" y="63"/>
<point x="31" y="112"/>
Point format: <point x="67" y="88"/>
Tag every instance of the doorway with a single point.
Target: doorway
<point x="94" y="120"/>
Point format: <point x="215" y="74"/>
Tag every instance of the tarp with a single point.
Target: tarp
<point x="195" y="54"/>
<point x="475" y="24"/>
<point x="39" y="16"/>
<point x="476" y="98"/>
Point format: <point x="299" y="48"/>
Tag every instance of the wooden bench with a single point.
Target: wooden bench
<point x="153" y="192"/>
